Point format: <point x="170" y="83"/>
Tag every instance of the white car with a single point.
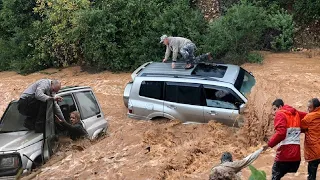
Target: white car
<point x="22" y="149"/>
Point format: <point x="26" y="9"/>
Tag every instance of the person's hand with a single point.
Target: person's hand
<point x="265" y="147"/>
<point x="173" y="65"/>
<point x="58" y="120"/>
<point x="164" y="60"/>
<point x="58" y="98"/>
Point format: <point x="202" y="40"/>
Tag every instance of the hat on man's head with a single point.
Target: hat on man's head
<point x="162" y="38"/>
<point x="226" y="157"/>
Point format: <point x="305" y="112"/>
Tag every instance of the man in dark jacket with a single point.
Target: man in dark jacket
<point x="75" y="129"/>
<point x="287" y="135"/>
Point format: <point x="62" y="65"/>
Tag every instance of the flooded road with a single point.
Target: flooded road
<point x="177" y="151"/>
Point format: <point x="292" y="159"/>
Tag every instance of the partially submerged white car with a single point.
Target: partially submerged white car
<point x="22" y="149"/>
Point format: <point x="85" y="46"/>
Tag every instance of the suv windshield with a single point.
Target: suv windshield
<point x="244" y="82"/>
<point x="12" y="120"/>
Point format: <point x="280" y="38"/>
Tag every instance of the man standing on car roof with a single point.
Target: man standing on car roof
<point x="287" y="127"/>
<point x="182" y="45"/>
<point x="33" y="101"/>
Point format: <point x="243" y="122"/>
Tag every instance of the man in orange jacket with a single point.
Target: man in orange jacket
<point x="287" y="135"/>
<point x="310" y="125"/>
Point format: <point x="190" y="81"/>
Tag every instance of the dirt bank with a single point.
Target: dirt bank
<point x="177" y="151"/>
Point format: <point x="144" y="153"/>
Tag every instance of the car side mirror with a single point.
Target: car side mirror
<point x="241" y="108"/>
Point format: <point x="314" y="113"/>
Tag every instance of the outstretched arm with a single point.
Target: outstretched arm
<point x="240" y="164"/>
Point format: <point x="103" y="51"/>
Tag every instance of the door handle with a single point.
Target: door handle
<point x="99" y="116"/>
<point x="213" y="113"/>
<point x="172" y="107"/>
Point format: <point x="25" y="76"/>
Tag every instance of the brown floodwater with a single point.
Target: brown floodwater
<point x="177" y="151"/>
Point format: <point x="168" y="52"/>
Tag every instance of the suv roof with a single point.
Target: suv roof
<point x="72" y="88"/>
<point x="215" y="72"/>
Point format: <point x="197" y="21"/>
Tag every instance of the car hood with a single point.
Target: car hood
<point x="14" y="141"/>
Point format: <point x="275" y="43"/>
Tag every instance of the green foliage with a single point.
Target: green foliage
<point x="226" y="4"/>
<point x="283" y="22"/>
<point x="120" y="35"/>
<point x="256" y="174"/>
<point x="306" y="11"/>
<point x="232" y="36"/>
<point x="117" y="38"/>
<point x="254" y="57"/>
<point x="16" y="20"/>
<point x="58" y="15"/>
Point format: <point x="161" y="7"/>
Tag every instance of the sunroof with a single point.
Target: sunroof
<point x="208" y="70"/>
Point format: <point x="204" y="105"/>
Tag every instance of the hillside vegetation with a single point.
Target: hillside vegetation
<point x="119" y="35"/>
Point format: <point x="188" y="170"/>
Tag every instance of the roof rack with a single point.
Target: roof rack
<point x="179" y="76"/>
<point x="69" y="88"/>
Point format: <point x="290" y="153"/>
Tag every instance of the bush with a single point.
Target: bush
<point x="115" y="37"/>
<point x="57" y="18"/>
<point x="16" y="20"/>
<point x="306" y="11"/>
<point x="119" y="35"/>
<point x="236" y="33"/>
<point x="255" y="57"/>
<point x="282" y="23"/>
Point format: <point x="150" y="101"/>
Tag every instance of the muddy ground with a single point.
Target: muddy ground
<point x="177" y="151"/>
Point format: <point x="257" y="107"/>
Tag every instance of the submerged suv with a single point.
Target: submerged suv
<point x="22" y="149"/>
<point x="206" y="92"/>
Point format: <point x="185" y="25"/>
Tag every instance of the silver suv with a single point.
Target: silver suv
<point x="205" y="92"/>
<point x="21" y="149"/>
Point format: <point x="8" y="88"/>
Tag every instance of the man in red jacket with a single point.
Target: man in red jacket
<point x="287" y="135"/>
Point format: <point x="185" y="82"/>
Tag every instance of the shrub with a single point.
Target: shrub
<point x="57" y="17"/>
<point x="254" y="57"/>
<point x="236" y="33"/>
<point x="306" y="11"/>
<point x="16" y="18"/>
<point x="115" y="37"/>
<point x="282" y="23"/>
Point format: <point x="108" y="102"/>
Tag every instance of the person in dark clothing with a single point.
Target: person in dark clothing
<point x="33" y="103"/>
<point x="75" y="129"/>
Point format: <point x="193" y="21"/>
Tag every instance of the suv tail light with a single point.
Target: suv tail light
<point x="130" y="107"/>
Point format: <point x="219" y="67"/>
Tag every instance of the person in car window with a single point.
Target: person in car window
<point x="33" y="101"/>
<point x="75" y="129"/>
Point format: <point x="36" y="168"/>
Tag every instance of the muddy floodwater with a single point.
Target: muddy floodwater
<point x="177" y="151"/>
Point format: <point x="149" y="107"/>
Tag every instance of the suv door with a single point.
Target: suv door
<point x="183" y="101"/>
<point x="90" y="113"/>
<point x="150" y="100"/>
<point x="222" y="105"/>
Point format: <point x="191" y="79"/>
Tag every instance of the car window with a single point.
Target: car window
<point x="67" y="106"/>
<point x="12" y="120"/>
<point x="151" y="89"/>
<point x="184" y="93"/>
<point x="221" y="97"/>
<point x="87" y="104"/>
<point x="244" y="82"/>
